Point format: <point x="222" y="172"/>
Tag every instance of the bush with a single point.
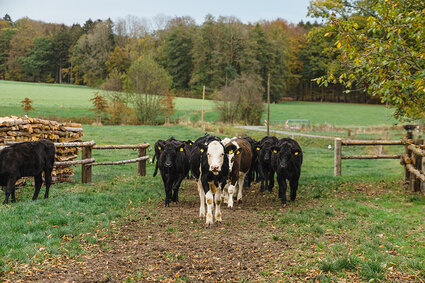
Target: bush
<point x="241" y="100"/>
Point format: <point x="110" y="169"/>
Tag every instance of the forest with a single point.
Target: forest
<point x="103" y="53"/>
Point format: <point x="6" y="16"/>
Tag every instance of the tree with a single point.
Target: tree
<point x="61" y="43"/>
<point x="92" y="51"/>
<point x="167" y="105"/>
<point x="241" y="100"/>
<point x="385" y="53"/>
<point x="26" y="105"/>
<point x="100" y="106"/>
<point x="38" y="61"/>
<point x="176" y="52"/>
<point x="147" y="83"/>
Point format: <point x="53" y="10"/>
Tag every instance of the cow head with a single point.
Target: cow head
<point x="284" y="155"/>
<point x="169" y="153"/>
<point x="215" y="156"/>
<point x="231" y="151"/>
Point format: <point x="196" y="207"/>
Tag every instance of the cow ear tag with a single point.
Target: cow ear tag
<point x="159" y="147"/>
<point x="237" y="152"/>
<point x="296" y="153"/>
<point x="230" y="151"/>
<point x="190" y="143"/>
<point x="274" y="151"/>
<point x="202" y="150"/>
<point x="181" y="149"/>
<point x="258" y="148"/>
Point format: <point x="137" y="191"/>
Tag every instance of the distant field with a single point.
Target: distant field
<point x="74" y="101"/>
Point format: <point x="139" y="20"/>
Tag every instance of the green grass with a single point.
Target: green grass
<point x="50" y="100"/>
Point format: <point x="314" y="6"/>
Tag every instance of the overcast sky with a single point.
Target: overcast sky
<point x="78" y="11"/>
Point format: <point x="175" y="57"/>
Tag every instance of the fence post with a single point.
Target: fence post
<point x="86" y="168"/>
<point x="337" y="157"/>
<point x="418" y="166"/>
<point x="141" y="165"/>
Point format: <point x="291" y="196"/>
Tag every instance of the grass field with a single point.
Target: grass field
<point x="359" y="227"/>
<point x="74" y="101"/>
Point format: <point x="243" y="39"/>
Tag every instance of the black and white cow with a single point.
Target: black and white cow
<point x="266" y="170"/>
<point x="210" y="168"/>
<point x="174" y="165"/>
<point x="239" y="153"/>
<point x="287" y="160"/>
<point x="24" y="160"/>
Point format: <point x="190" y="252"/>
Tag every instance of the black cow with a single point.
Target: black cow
<point x="210" y="167"/>
<point x="265" y="168"/>
<point x="250" y="177"/>
<point x="287" y="160"/>
<point x="173" y="163"/>
<point x="27" y="159"/>
<point x="158" y="148"/>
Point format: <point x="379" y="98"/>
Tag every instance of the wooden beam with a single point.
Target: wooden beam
<point x="122" y="146"/>
<point x="371" y="142"/>
<point x="381" y="156"/>
<point x="121" y="162"/>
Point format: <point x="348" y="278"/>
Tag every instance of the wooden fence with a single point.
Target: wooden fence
<point x="413" y="163"/>
<point x="339" y="143"/>
<point x="87" y="161"/>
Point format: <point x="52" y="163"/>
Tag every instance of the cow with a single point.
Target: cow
<point x="264" y="151"/>
<point x="24" y="160"/>
<point x="250" y="177"/>
<point x="210" y="167"/>
<point x="158" y="148"/>
<point x="239" y="153"/>
<point x="287" y="158"/>
<point x="173" y="164"/>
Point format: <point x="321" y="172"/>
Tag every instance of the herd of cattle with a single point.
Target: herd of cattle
<point x="222" y="168"/>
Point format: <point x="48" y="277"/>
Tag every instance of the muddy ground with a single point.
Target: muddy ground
<point x="172" y="244"/>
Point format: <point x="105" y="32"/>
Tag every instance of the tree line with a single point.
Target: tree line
<point x="186" y="56"/>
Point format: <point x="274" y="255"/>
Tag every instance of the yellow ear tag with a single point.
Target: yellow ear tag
<point x="237" y="152"/>
<point x="231" y="151"/>
<point x="275" y="151"/>
<point x="159" y="147"/>
<point x="190" y="143"/>
<point x="181" y="149"/>
<point x="296" y="153"/>
<point x="202" y="150"/>
<point x="258" y="148"/>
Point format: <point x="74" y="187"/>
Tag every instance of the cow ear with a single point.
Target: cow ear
<point x="202" y="147"/>
<point x="275" y="149"/>
<point x="181" y="148"/>
<point x="257" y="148"/>
<point x="230" y="149"/>
<point x="238" y="152"/>
<point x="296" y="152"/>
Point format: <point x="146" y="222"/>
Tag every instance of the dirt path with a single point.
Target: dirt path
<point x="163" y="244"/>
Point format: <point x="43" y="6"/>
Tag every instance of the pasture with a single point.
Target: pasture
<point x="359" y="227"/>
<point x="74" y="102"/>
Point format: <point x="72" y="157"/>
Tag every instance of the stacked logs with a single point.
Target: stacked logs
<point x="21" y="129"/>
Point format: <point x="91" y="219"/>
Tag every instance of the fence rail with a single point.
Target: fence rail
<point x="413" y="163"/>
<point x="87" y="161"/>
<point x="339" y="143"/>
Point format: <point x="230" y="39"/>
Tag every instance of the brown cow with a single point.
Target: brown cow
<point x="239" y="153"/>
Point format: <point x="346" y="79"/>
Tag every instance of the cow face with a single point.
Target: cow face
<point x="284" y="155"/>
<point x="215" y="155"/>
<point x="231" y="151"/>
<point x="169" y="153"/>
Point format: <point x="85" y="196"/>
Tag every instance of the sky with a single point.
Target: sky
<point x="78" y="11"/>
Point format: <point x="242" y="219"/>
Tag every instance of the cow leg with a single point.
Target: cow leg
<point x="226" y="193"/>
<point x="10" y="189"/>
<point x="231" y="191"/>
<point x="263" y="180"/>
<point x="165" y="179"/>
<point x="241" y="179"/>
<point x="282" y="188"/>
<point x="271" y="181"/>
<point x="176" y="187"/>
<point x="47" y="181"/>
<point x="218" y="205"/>
<point x="38" y="180"/>
<point x="210" y="204"/>
<point x="202" y="199"/>
<point x="294" y="186"/>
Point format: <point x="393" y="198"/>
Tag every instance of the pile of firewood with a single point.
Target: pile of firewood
<point x="20" y="129"/>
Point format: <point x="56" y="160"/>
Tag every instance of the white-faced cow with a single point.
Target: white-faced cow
<point x="264" y="150"/>
<point x="24" y="160"/>
<point x="210" y="168"/>
<point x="287" y="160"/>
<point x="173" y="164"/>
<point x="239" y="153"/>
